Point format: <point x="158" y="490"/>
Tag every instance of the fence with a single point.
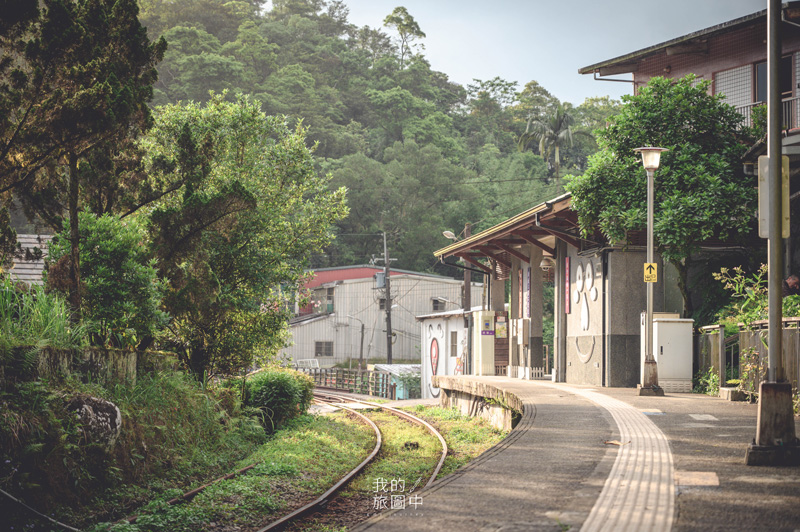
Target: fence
<point x="747" y="351"/>
<point x="376" y="383"/>
<point x="789" y="112"/>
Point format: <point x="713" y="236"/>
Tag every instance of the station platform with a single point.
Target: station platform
<point x="607" y="459"/>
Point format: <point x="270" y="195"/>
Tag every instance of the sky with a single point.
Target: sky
<point x="547" y="40"/>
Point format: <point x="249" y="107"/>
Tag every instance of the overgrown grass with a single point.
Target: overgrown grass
<point x="309" y="455"/>
<point x="409" y="453"/>
<point x="173" y="436"/>
<point x="300" y="462"/>
<point x="466" y="437"/>
<point x="31" y="318"/>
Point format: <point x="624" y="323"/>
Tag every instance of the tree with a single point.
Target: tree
<point x="407" y="28"/>
<point x="236" y="235"/>
<point x="122" y="292"/>
<point x="81" y="78"/>
<point x="554" y="132"/>
<point x="701" y="192"/>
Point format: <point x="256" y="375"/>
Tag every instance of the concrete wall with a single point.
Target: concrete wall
<point x="626" y="300"/>
<point x="499" y="407"/>
<point x="585" y="319"/>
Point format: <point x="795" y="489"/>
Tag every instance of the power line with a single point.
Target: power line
<point x="476" y="182"/>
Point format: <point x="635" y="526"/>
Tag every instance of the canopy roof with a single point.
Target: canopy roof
<point x="540" y="226"/>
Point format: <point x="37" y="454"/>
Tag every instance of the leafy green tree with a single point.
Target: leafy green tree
<point x="701" y="192"/>
<point x="220" y="18"/>
<point x="193" y="65"/>
<point x="235" y="236"/>
<point x="553" y="132"/>
<point x="82" y="76"/>
<point x="534" y="102"/>
<point x="407" y="28"/>
<point x="411" y="196"/>
<point x="591" y="115"/>
<point x="121" y="289"/>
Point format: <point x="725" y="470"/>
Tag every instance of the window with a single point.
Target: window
<point x="438" y="305"/>
<point x="382" y="303"/>
<point x="786" y="79"/>
<point x="453" y="344"/>
<point x="323" y="349"/>
<point x="329" y="300"/>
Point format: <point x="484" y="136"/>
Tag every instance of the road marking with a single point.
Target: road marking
<point x="703" y="417"/>
<point x="696" y="478"/>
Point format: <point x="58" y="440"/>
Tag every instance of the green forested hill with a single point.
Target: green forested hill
<point x="417" y="152"/>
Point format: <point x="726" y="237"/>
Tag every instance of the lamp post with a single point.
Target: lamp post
<point x="650" y="159"/>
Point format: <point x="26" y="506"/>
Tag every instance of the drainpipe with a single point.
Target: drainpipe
<point x="606" y="339"/>
<point x="560" y="316"/>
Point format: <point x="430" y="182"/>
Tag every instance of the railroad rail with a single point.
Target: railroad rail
<point x="322" y="500"/>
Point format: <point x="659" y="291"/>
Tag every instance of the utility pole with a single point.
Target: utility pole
<point x="467" y="276"/>
<point x="775" y="442"/>
<point x="388" y="300"/>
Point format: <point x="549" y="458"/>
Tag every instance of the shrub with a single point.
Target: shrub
<point x="121" y="290"/>
<point x="706" y="382"/>
<point x="173" y="435"/>
<point x="31" y="318"/>
<point x="279" y="395"/>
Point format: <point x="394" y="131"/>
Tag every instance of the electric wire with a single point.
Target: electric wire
<point x="40" y="514"/>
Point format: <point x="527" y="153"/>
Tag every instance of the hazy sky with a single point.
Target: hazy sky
<point x="547" y="40"/>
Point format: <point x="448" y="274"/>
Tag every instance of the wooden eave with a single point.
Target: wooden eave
<point x="540" y="226"/>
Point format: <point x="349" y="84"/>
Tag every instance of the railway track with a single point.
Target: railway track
<point x="321" y="502"/>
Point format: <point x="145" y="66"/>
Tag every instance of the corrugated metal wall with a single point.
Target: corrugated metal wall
<point x="413" y="296"/>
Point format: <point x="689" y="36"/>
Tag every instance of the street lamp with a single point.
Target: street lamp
<point x="650" y="159"/>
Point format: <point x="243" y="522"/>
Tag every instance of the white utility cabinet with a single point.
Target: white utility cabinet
<point x="672" y="349"/>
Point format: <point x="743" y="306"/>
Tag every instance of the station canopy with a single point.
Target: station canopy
<point x="491" y="251"/>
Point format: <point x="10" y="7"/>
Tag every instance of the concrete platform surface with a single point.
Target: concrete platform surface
<point x="609" y="459"/>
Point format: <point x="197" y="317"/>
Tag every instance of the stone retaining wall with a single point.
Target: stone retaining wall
<point x="479" y="399"/>
<point x="101" y="365"/>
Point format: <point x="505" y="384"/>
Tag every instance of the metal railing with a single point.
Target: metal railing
<point x="377" y="383"/>
<point x="791" y="119"/>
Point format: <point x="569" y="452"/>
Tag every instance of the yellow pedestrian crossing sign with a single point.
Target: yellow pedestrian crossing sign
<point x="650" y="272"/>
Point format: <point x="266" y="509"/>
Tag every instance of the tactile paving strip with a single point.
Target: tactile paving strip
<point x="639" y="493"/>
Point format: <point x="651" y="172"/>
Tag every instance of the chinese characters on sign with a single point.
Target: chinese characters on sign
<point x="391" y="495"/>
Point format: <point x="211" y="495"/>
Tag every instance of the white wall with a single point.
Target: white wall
<point x="437" y="331"/>
<point x="359" y="298"/>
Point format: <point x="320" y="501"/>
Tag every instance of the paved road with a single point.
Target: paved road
<point x="682" y="470"/>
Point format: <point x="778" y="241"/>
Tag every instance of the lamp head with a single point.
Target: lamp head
<point x="450" y="235"/>
<point x="546" y="264"/>
<point x="651" y="157"/>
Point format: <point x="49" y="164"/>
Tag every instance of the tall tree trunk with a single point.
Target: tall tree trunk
<point x="683" y="286"/>
<point x="74" y="238"/>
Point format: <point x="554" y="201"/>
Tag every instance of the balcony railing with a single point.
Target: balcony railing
<point x="791" y="112"/>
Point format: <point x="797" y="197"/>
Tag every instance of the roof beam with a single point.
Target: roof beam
<point x="488" y="252"/>
<point x="476" y="263"/>
<point x="528" y="237"/>
<point x="512" y="251"/>
<point x="572" y="241"/>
